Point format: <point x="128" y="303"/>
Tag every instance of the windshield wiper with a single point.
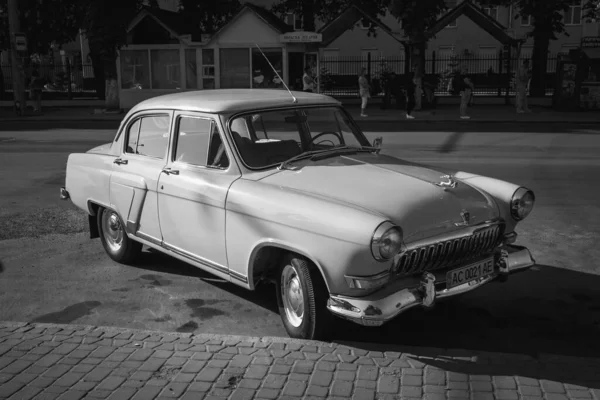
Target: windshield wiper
<point x="320" y="154"/>
<point x="309" y="154"/>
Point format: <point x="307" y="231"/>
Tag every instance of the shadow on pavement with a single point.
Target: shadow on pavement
<point x="549" y="310"/>
<point x="1" y="267"/>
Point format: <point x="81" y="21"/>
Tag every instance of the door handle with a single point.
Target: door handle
<point x="170" y="171"/>
<point x="120" y="161"/>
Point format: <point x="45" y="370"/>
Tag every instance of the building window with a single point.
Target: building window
<point x="492" y="12"/>
<point x="235" y="68"/>
<point x="450" y="4"/>
<point x="525" y="20"/>
<point x="208" y="68"/>
<point x="135" y="69"/>
<point x="573" y="14"/>
<point x="166" y="69"/>
<point x="191" y="69"/>
<point x="263" y="75"/>
<point x="294" y="20"/>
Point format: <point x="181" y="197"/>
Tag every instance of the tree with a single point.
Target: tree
<point x="417" y="17"/>
<point x="326" y="10"/>
<point x="106" y="32"/>
<point x="547" y="19"/>
<point x="209" y="14"/>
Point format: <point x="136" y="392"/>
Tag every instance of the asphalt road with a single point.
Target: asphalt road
<point x="554" y="308"/>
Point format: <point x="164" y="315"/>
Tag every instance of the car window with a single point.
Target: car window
<point x="199" y="143"/>
<point x="149" y="136"/>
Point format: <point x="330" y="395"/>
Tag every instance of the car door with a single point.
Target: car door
<point x="192" y="191"/>
<point x="134" y="180"/>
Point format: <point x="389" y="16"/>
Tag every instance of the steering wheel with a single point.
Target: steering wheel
<point x="337" y="135"/>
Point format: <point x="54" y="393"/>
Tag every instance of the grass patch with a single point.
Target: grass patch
<point x="43" y="221"/>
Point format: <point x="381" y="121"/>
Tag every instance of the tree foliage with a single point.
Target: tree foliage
<point x="417" y="16"/>
<point x="44" y="22"/>
<point x="209" y="14"/>
<point x="326" y="10"/>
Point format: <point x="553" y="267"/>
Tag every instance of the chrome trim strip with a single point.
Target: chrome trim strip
<point x="195" y="258"/>
<point x="148" y="238"/>
<point x="373" y="311"/>
<point x="462" y="233"/>
<point x="132" y="227"/>
<point x="238" y="276"/>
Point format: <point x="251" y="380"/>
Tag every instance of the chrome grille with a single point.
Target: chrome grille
<point x="450" y="252"/>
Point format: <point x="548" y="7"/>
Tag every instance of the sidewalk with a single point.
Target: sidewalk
<point x="44" y="361"/>
<point x="444" y="113"/>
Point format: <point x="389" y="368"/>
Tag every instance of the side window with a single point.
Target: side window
<point x="149" y="136"/>
<point x="199" y="143"/>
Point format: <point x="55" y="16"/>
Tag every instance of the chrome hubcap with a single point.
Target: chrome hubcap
<point x="112" y="230"/>
<point x="293" y="299"/>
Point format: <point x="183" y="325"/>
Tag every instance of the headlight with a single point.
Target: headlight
<point x="521" y="203"/>
<point x="386" y="241"/>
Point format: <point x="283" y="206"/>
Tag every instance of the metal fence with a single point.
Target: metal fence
<point x="60" y="79"/>
<point x="490" y="73"/>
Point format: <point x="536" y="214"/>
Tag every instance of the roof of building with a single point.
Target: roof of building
<point x="232" y="100"/>
<point x="478" y="16"/>
<point x="346" y="20"/>
<point x="174" y="22"/>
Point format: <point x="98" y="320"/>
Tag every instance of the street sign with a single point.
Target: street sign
<point x="590" y="42"/>
<point x="301" y="37"/>
<point x="20" y="42"/>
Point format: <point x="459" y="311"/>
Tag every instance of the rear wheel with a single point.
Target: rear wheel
<point x="302" y="300"/>
<point x="115" y="241"/>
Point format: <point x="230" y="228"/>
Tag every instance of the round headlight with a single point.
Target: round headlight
<point x="386" y="241"/>
<point x="522" y="203"/>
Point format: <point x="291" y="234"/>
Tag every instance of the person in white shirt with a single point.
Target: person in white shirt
<point x="364" y="91"/>
<point x="308" y="82"/>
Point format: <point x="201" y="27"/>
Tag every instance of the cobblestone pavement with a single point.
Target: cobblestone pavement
<point x="44" y="361"/>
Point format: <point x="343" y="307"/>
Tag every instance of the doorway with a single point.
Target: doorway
<point x="295" y="70"/>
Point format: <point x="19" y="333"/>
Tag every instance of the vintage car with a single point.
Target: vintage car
<point x="263" y="185"/>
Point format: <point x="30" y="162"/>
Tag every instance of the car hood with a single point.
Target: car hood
<point x="401" y="191"/>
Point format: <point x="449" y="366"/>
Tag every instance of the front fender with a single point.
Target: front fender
<point x="335" y="237"/>
<point x="501" y="191"/>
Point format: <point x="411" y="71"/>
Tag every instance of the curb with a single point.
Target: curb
<point x="391" y="349"/>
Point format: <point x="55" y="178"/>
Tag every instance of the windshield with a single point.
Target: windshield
<point x="268" y="138"/>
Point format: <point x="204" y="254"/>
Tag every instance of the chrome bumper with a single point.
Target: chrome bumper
<point x="371" y="311"/>
<point x="64" y="195"/>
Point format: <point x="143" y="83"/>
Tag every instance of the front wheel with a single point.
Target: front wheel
<point x="115" y="241"/>
<point x="302" y="300"/>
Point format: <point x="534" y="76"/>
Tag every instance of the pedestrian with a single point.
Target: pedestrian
<point x="308" y="82"/>
<point x="522" y="80"/>
<point x="364" y="91"/>
<point x="463" y="85"/>
<point x="35" y="91"/>
<point x="409" y="90"/>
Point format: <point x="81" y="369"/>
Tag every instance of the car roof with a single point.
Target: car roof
<point x="232" y="100"/>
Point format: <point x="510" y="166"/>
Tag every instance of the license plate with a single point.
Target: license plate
<point x="460" y="276"/>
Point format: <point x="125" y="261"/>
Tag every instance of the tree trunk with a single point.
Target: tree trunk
<point x="111" y="101"/>
<point x="541" y="43"/>
<point x="418" y="62"/>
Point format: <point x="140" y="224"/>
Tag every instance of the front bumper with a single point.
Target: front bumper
<point x="374" y="311"/>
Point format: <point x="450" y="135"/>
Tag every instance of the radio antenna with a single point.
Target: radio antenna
<point x="274" y="70"/>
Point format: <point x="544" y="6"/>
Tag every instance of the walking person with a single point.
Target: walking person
<point x="35" y="91"/>
<point x="308" y="81"/>
<point x="522" y="80"/>
<point x="364" y="91"/>
<point x="463" y="85"/>
<point x="410" y="90"/>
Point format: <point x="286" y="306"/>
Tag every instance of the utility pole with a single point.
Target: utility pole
<point x="18" y="77"/>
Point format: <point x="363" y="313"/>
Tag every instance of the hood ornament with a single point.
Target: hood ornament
<point x="450" y="182"/>
<point x="466" y="218"/>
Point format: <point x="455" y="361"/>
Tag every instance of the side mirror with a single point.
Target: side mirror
<point x="377" y="144"/>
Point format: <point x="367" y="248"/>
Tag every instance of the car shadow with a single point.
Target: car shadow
<point x="547" y="311"/>
<point x="156" y="261"/>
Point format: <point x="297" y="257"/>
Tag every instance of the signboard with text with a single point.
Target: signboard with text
<point x="20" y="42"/>
<point x="590" y="42"/>
<point x="301" y="37"/>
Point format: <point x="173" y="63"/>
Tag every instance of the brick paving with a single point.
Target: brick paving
<point x="45" y="361"/>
